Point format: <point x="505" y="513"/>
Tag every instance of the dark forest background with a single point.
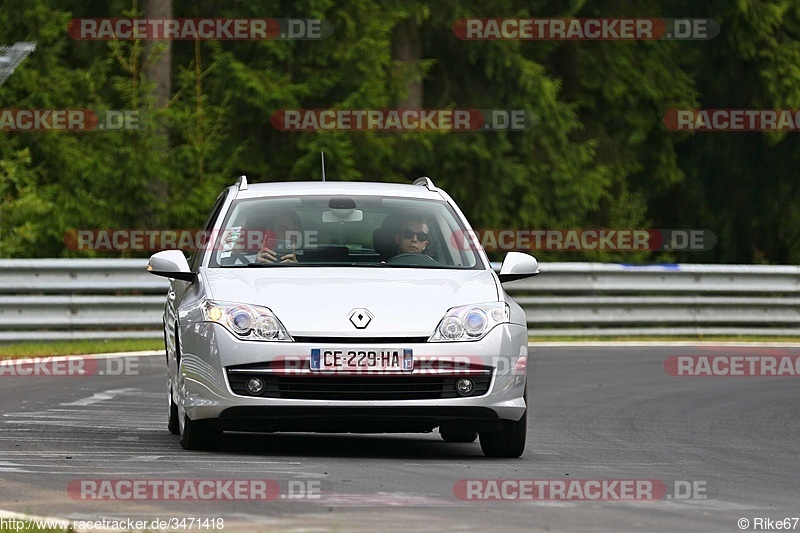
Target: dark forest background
<point x="599" y="155"/>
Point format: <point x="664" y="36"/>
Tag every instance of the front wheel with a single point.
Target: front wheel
<point x="198" y="435"/>
<point x="508" y="442"/>
<point x="173" y="422"/>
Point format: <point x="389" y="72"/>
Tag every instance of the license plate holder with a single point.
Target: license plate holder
<point x="361" y="360"/>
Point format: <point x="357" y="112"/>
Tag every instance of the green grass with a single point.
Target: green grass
<point x="30" y="527"/>
<point x="78" y="347"/>
<point x="33" y="529"/>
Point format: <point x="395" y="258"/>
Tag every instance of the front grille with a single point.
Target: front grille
<point x="340" y="387"/>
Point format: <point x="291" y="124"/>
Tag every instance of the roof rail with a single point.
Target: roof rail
<point x="426" y="182"/>
<point x="241" y="183"/>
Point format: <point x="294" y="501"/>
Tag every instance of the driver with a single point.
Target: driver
<point x="412" y="235"/>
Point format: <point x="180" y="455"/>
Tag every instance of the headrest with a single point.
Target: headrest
<point x="383" y="242"/>
<point x="383" y="238"/>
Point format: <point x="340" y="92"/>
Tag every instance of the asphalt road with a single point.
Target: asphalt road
<point x="596" y="413"/>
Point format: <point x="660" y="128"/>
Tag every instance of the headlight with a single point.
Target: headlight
<point x="249" y="322"/>
<point x="470" y="322"/>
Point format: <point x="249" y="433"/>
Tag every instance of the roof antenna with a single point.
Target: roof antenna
<point x="323" y="165"/>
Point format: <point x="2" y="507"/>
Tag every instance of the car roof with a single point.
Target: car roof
<point x="355" y="188"/>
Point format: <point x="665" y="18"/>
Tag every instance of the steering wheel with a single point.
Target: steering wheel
<point x="413" y="259"/>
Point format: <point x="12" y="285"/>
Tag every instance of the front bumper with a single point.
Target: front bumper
<point x="209" y="351"/>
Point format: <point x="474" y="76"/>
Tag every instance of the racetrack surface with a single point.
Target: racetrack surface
<point x="596" y="413"/>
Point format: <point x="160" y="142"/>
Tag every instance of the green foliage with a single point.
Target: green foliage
<point x="23" y="207"/>
<point x="598" y="156"/>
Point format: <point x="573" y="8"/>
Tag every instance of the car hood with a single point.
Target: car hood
<point x="404" y="302"/>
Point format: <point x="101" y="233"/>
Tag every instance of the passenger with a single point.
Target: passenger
<point x="284" y="229"/>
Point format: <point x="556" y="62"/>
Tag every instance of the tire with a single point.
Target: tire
<point x="198" y="435"/>
<point x="173" y="423"/>
<point x="459" y="436"/>
<point x="509" y="442"/>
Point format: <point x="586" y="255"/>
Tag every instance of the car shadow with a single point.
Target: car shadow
<point x="386" y="446"/>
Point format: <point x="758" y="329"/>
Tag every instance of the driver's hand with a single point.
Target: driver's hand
<point x="265" y="255"/>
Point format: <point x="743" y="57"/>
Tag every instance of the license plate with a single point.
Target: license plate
<point x="367" y="361"/>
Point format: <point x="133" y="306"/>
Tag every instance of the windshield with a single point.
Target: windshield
<point x="343" y="231"/>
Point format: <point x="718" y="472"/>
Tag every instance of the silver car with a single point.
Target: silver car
<point x="344" y="307"/>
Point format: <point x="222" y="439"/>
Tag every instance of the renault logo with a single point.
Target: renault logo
<point x="360" y="317"/>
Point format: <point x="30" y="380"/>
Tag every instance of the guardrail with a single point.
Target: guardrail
<point x="59" y="299"/>
<point x="587" y="299"/>
<point x="56" y="299"/>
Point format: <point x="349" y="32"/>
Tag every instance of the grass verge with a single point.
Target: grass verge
<point x="83" y="347"/>
<point x="78" y="347"/>
<point x="16" y="525"/>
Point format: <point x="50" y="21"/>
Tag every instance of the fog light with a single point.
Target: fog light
<point x="465" y="386"/>
<point x="255" y="386"/>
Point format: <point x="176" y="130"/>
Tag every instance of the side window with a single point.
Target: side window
<point x="195" y="259"/>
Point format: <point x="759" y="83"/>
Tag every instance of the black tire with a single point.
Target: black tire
<point x="459" y="436"/>
<point x="509" y="442"/>
<point x="173" y="424"/>
<point x="198" y="435"/>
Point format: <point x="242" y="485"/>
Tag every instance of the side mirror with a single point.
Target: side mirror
<point x="170" y="264"/>
<point x="517" y="265"/>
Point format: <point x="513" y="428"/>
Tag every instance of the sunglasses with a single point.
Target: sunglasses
<point x="409" y="234"/>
